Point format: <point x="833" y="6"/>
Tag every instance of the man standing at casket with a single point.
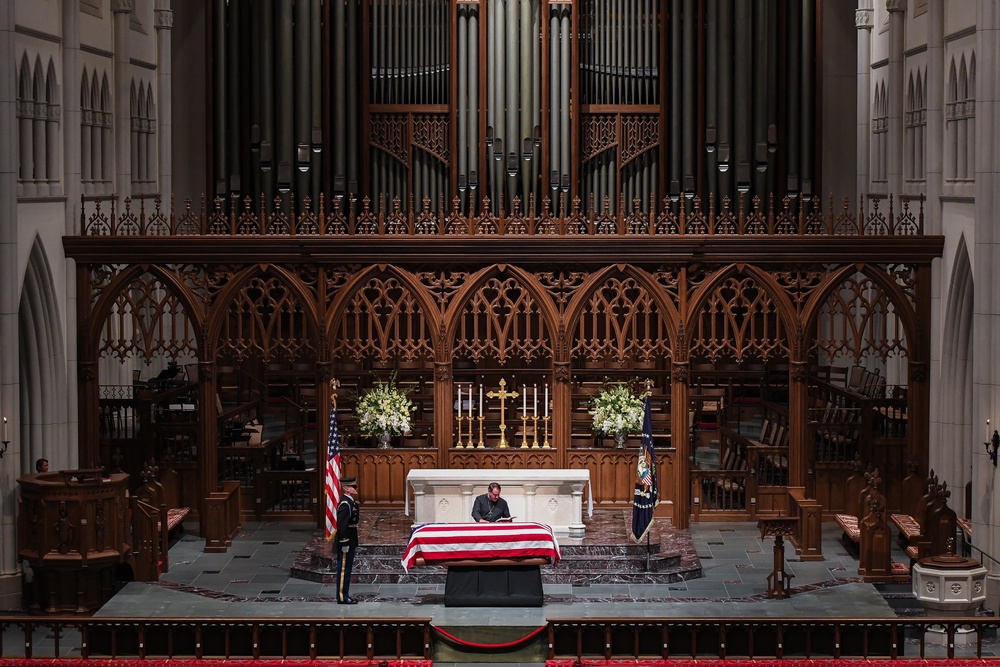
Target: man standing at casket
<point x="348" y="516"/>
<point x="490" y="507"/>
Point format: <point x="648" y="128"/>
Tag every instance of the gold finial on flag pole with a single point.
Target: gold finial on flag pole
<point x="334" y="385"/>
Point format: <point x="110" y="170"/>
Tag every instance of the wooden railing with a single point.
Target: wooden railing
<point x="213" y="638"/>
<point x="222" y="517"/>
<point x="756" y="638"/>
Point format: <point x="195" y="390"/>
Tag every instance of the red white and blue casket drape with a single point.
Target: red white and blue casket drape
<point x="480" y="541"/>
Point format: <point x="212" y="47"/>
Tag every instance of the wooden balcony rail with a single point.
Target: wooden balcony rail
<point x="99" y="639"/>
<point x="756" y="638"/>
<point x="350" y="216"/>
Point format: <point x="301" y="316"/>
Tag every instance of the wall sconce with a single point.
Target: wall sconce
<point x="6" y="439"/>
<point x="992" y="445"/>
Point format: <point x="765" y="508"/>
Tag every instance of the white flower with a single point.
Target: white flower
<point x="384" y="409"/>
<point x="617" y="410"/>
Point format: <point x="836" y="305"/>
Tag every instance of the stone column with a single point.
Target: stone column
<point x="986" y="319"/>
<point x="164" y="23"/>
<point x="863" y="22"/>
<point x="10" y="575"/>
<point x="122" y="85"/>
<point x="895" y="93"/>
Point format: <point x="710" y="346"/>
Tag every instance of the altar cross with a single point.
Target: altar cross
<point x="503" y="395"/>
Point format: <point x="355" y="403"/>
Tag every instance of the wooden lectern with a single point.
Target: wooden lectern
<point x="72" y="530"/>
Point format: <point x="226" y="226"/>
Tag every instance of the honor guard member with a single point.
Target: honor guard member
<point x="348" y="516"/>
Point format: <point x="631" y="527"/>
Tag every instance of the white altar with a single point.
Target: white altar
<point x="552" y="497"/>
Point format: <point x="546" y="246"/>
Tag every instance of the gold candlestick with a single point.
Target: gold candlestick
<point x="545" y="444"/>
<point x="503" y="395"/>
<point x="469" y="445"/>
<point x="481" y="445"/>
<point x="524" y="432"/>
<point x="534" y="434"/>
<point x="458" y="443"/>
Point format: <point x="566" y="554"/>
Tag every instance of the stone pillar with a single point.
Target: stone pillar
<point x="122" y="85"/>
<point x="986" y="319"/>
<point x="164" y="23"/>
<point x="10" y="574"/>
<point x="895" y="93"/>
<point x="863" y="22"/>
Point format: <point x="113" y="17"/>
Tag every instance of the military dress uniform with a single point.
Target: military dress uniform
<point x="348" y="516"/>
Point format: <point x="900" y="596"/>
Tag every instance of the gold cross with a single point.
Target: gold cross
<point x="503" y="395"/>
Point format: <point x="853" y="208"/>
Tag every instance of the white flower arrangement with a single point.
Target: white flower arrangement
<point x="384" y="409"/>
<point x="617" y="411"/>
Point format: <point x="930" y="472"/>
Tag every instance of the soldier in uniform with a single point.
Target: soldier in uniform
<point x="348" y="516"/>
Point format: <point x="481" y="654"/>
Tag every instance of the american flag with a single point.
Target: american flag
<point x="436" y="542"/>
<point x="332" y="476"/>
<point x="646" y="488"/>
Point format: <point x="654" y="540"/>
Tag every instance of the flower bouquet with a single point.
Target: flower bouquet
<point x="384" y="411"/>
<point x="617" y="412"/>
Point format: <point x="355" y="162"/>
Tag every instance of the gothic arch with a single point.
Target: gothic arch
<point x="952" y="458"/>
<point x="42" y="369"/>
<point x="101" y="309"/>
<point x="474" y="283"/>
<point x="784" y="309"/>
<point x="577" y="303"/>
<point x="903" y="308"/>
<point x="241" y="280"/>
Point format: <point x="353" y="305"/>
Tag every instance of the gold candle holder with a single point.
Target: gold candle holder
<point x="481" y="445"/>
<point x="534" y="433"/>
<point x="458" y="443"/>
<point x="545" y="443"/>
<point x="524" y="432"/>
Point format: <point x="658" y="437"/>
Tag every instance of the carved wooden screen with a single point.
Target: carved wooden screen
<point x="147" y="321"/>
<point x="502" y="321"/>
<point x="621" y="323"/>
<point x="384" y="322"/>
<point x="738" y="321"/>
<point x="265" y="320"/>
<point x="859" y="321"/>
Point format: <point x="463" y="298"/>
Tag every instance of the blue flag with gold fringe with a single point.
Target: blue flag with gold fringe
<point x="646" y="492"/>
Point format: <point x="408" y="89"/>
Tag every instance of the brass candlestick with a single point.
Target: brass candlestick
<point x="534" y="432"/>
<point x="524" y="431"/>
<point x="503" y="395"/>
<point x="545" y="443"/>
<point x="481" y="445"/>
<point x="469" y="445"/>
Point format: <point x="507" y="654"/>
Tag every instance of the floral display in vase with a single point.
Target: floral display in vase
<point x="617" y="412"/>
<point x="384" y="411"/>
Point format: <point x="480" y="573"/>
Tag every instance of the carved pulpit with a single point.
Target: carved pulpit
<point x="72" y="531"/>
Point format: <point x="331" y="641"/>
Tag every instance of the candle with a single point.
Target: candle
<point x="5" y="438"/>
<point x="459" y="401"/>
<point x="535" y="396"/>
<point x="524" y="400"/>
<point x="480" y="400"/>
<point x="546" y="399"/>
<point x="470" y="402"/>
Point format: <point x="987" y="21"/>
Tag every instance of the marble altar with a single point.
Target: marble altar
<point x="552" y="497"/>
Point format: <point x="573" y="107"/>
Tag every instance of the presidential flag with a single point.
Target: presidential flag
<point x="332" y="476"/>
<point x="646" y="491"/>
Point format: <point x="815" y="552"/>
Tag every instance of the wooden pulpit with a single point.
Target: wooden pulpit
<point x="72" y="531"/>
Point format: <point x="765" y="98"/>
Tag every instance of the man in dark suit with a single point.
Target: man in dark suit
<point x="490" y="507"/>
<point x="348" y="516"/>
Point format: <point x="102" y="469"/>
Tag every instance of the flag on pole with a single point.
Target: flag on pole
<point x="646" y="492"/>
<point x="332" y="476"/>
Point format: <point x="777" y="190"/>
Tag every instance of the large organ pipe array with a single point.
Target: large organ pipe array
<point x="617" y="102"/>
<point x="620" y="70"/>
<point x="409" y="96"/>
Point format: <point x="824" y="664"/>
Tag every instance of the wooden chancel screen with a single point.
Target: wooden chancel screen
<point x="781" y="345"/>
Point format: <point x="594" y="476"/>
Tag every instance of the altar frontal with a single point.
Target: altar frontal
<point x="551" y="497"/>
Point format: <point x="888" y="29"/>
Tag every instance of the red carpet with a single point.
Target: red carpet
<point x="791" y="662"/>
<point x="230" y="662"/>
